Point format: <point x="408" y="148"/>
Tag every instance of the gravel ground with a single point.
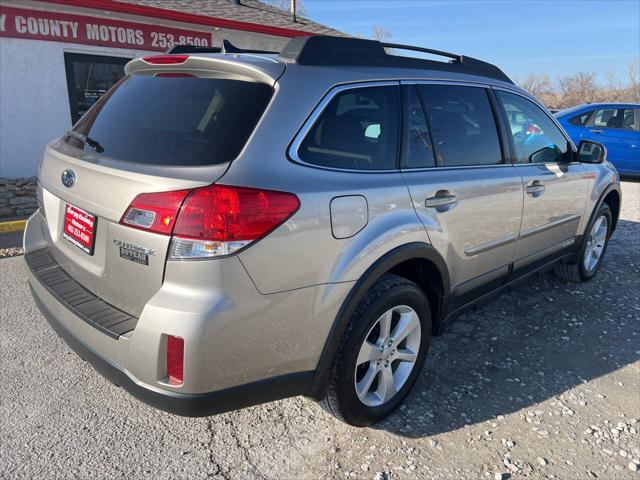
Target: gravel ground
<point x="541" y="383"/>
<point x="11" y="244"/>
<point x="11" y="252"/>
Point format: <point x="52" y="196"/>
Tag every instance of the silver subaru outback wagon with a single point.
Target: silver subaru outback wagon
<point x="228" y="228"/>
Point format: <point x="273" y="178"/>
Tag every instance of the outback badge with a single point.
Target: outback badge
<point x="134" y="253"/>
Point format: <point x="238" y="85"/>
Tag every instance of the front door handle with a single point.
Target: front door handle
<point x="596" y="130"/>
<point x="535" y="188"/>
<point x="442" y="198"/>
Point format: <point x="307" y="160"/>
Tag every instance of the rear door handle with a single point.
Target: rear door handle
<point x="596" y="130"/>
<point x="535" y="188"/>
<point x="442" y="198"/>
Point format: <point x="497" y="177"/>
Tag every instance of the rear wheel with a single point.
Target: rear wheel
<point x="381" y="352"/>
<point x="592" y="251"/>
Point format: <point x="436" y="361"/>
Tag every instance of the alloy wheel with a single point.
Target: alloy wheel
<point x="387" y="356"/>
<point x="595" y="243"/>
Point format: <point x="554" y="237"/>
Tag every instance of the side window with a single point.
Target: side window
<point x="462" y="124"/>
<point x="614" y="118"/>
<point x="581" y="119"/>
<point x="357" y="130"/>
<point x="535" y="137"/>
<point x="417" y="145"/>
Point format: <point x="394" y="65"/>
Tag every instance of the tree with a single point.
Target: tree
<point x="577" y="89"/>
<point x="634" y="81"/>
<point x="285" y="5"/>
<point x="537" y="84"/>
<point x="381" y="34"/>
<point x="583" y="87"/>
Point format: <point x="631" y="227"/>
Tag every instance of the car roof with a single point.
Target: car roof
<point x="591" y="106"/>
<point x="269" y="68"/>
<point x="357" y="55"/>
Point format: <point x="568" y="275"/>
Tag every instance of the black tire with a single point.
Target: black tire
<point x="341" y="399"/>
<point x="576" y="272"/>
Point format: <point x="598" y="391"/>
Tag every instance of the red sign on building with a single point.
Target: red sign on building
<point x="104" y="32"/>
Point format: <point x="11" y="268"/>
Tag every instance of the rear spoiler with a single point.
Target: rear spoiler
<point x="247" y="68"/>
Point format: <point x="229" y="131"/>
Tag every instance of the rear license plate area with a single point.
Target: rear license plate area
<point x="79" y="228"/>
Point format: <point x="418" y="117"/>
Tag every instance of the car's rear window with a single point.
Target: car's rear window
<point x="186" y="121"/>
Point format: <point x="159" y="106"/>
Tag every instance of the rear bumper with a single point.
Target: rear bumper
<point x="190" y="405"/>
<point x="241" y="347"/>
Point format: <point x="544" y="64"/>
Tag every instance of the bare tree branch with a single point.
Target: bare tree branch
<point x="380" y="33"/>
<point x="634" y="81"/>
<point x="582" y="87"/>
<point x="285" y="5"/>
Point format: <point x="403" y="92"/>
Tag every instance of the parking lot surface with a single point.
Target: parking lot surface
<point x="541" y="383"/>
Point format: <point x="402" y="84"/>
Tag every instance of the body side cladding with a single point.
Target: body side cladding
<point x="614" y="212"/>
<point x="581" y="238"/>
<point x="482" y="294"/>
<point x="410" y="251"/>
<point x="588" y="216"/>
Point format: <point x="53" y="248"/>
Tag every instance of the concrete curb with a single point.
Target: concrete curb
<point x="13" y="226"/>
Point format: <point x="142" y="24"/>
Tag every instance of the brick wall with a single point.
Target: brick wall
<point x="17" y="197"/>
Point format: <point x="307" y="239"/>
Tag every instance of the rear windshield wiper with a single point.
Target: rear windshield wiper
<point x="85" y="139"/>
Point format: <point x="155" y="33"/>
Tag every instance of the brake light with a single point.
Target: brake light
<point x="155" y="212"/>
<point x="175" y="75"/>
<point x="220" y="219"/>
<point x="175" y="359"/>
<point x="165" y="59"/>
<point x="211" y="221"/>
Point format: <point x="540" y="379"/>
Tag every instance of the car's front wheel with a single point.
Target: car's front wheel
<point x="594" y="246"/>
<point x="381" y="352"/>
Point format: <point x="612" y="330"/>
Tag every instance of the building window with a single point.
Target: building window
<point x="88" y="78"/>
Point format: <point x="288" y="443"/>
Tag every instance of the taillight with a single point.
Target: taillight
<point x="220" y="219"/>
<point x="155" y="212"/>
<point x="175" y="359"/>
<point x="165" y="59"/>
<point x="211" y="221"/>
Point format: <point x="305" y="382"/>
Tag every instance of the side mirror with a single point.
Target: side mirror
<point x="591" y="152"/>
<point x="545" y="155"/>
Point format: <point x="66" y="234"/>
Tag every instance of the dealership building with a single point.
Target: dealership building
<point x="57" y="57"/>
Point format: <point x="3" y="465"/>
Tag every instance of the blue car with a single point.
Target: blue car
<point x="615" y="125"/>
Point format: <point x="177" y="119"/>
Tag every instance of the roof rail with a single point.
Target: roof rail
<point x="326" y="50"/>
<point x="227" y="47"/>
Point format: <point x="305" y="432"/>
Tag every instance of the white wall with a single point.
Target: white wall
<point x="34" y="101"/>
<point x="34" y="107"/>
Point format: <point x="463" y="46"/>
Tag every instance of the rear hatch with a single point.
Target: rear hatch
<point x="168" y="125"/>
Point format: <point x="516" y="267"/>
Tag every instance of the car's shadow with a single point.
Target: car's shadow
<point x="529" y="345"/>
<point x="630" y="178"/>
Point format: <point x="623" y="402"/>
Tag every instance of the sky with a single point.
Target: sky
<point x="556" y="37"/>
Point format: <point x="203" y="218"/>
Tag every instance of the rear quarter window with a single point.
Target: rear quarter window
<point x="358" y="130"/>
<point x="183" y="121"/>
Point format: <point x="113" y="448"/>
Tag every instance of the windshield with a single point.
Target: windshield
<point x="173" y="120"/>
